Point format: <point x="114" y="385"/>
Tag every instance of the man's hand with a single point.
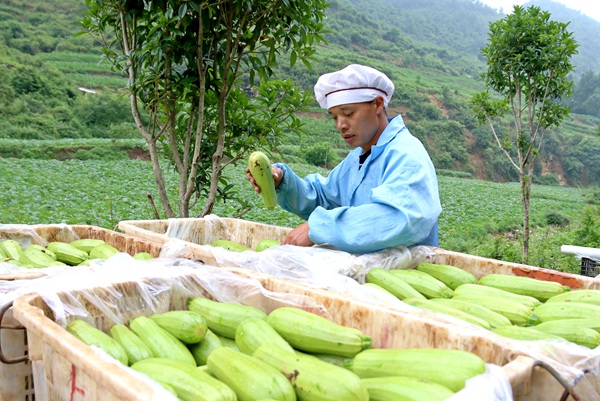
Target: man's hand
<point x="277" y="177"/>
<point x="298" y="236"/>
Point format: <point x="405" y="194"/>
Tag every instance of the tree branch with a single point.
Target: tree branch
<point x="490" y="122"/>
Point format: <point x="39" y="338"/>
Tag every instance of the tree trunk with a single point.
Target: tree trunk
<point x="153" y="151"/>
<point x="216" y="160"/>
<point x="148" y="137"/>
<point x="160" y="182"/>
<point x="525" y="198"/>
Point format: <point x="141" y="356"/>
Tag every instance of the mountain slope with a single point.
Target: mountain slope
<point x="430" y="48"/>
<point x="457" y="25"/>
<point x="462" y="25"/>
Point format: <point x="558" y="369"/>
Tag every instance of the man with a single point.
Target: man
<point x="383" y="194"/>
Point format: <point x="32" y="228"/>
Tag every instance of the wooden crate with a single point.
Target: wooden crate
<point x="67" y="365"/>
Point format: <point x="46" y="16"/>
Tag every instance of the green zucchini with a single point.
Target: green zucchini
<point x="306" y="331"/>
<point x="187" y="326"/>
<point x="249" y="377"/>
<point x="223" y="318"/>
<point x="188" y="382"/>
<point x="313" y="378"/>
<point x="162" y="343"/>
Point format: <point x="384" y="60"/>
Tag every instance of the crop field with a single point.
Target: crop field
<point x="102" y="193"/>
<point x="89" y="70"/>
<point x="470" y="203"/>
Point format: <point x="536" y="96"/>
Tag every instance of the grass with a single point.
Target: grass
<point x="102" y="193"/>
<point x="70" y="142"/>
<point x="75" y="192"/>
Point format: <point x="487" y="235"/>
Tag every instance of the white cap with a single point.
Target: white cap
<point x="353" y="84"/>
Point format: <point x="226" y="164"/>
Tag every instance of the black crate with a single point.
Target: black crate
<point x="589" y="267"/>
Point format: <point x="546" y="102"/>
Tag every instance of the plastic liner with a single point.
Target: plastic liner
<point x="308" y="263"/>
<point x="323" y="267"/>
<point x="26" y="234"/>
<point x="113" y="295"/>
<point x="154" y="279"/>
<point x="493" y="385"/>
<point x="582" y="252"/>
<point x="333" y="270"/>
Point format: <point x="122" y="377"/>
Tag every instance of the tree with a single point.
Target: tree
<point x="322" y="155"/>
<point x="528" y="59"/>
<point x="192" y="66"/>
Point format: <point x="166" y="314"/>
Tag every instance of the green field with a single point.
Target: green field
<point x="479" y="217"/>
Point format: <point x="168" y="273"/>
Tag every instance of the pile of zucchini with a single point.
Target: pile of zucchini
<point x="222" y="351"/>
<point x="516" y="307"/>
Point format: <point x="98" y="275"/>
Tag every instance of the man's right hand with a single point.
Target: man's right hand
<point x="277" y="177"/>
<point x="299" y="236"/>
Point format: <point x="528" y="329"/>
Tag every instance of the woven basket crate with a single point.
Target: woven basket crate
<point x="480" y="266"/>
<point x="16" y="379"/>
<point x="197" y="233"/>
<point x="68" y="364"/>
<point x="41" y="234"/>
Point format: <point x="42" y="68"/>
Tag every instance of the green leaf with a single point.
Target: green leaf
<point x="293" y="58"/>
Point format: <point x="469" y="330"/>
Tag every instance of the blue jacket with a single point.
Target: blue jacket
<point x="391" y="200"/>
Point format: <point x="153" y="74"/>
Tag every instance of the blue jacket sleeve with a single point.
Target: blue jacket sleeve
<point x="400" y="213"/>
<point x="303" y="196"/>
<point x="393" y="200"/>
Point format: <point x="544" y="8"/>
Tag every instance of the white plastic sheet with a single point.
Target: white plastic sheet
<point x="320" y="267"/>
<point x="153" y="286"/>
<point x="155" y="279"/>
<point x="493" y="385"/>
<point x="312" y="263"/>
<point x="582" y="252"/>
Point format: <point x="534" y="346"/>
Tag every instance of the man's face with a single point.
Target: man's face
<point x="358" y="123"/>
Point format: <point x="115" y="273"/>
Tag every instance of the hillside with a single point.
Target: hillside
<point x="429" y="48"/>
<point x="436" y="74"/>
<point x="461" y="27"/>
